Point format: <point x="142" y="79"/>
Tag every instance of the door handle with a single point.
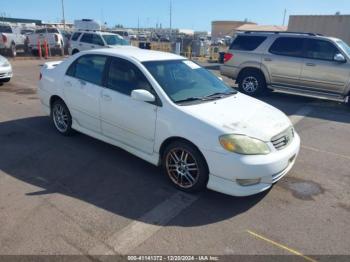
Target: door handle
<point x="80" y="44"/>
<point x="92" y="46"/>
<point x="82" y="83"/>
<point x="106" y="97"/>
<point x="310" y="64"/>
<point x="68" y="83"/>
<point x="267" y="59"/>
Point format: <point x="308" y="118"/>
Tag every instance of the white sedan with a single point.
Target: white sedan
<point x="171" y="112"/>
<point x="5" y="70"/>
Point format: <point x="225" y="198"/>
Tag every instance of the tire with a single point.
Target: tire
<point x="61" y="118"/>
<point x="12" y="50"/>
<point x="252" y="83"/>
<point x="191" y="178"/>
<point x="75" y="51"/>
<point x="61" y="52"/>
<point x="5" y="80"/>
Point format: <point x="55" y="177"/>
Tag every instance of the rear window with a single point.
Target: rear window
<point x="247" y="43"/>
<point x="288" y="46"/>
<point x="5" y="29"/>
<point x="76" y="36"/>
<point x="47" y="30"/>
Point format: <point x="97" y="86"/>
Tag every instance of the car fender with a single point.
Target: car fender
<point x="257" y="65"/>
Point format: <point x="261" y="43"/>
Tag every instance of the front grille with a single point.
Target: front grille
<point x="284" y="139"/>
<point x="2" y="74"/>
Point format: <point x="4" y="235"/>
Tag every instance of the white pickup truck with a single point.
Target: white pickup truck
<point x="11" y="39"/>
<point x="53" y="37"/>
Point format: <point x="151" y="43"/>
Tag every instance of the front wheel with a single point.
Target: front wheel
<point x="252" y="83"/>
<point x="5" y="80"/>
<point x="185" y="167"/>
<point x="61" y="118"/>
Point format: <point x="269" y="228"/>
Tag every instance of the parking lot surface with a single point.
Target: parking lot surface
<point x="77" y="195"/>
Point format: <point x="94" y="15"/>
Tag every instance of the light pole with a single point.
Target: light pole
<point x="64" y="19"/>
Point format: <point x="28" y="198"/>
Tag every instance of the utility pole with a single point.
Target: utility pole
<point x="64" y="19"/>
<point x="171" y="18"/>
<point x="284" y="16"/>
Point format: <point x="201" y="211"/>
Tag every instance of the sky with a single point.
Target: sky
<point x="187" y="14"/>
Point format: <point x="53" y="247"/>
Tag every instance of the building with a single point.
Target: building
<point x="330" y="25"/>
<point x="20" y="21"/>
<point x="265" y="28"/>
<point x="220" y="29"/>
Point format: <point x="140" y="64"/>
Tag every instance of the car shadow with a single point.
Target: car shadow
<point x="100" y="174"/>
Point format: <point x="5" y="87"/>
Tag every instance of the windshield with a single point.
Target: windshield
<point x="344" y="46"/>
<point x="114" y="40"/>
<point x="185" y="81"/>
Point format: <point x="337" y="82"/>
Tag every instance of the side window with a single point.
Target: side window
<point x="288" y="46"/>
<point x="75" y="36"/>
<point x="319" y="49"/>
<point x="247" y="43"/>
<point x="89" y="68"/>
<point x="97" y="40"/>
<point x="124" y="77"/>
<point x="87" y="38"/>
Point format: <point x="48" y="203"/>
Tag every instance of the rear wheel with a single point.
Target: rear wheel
<point x="185" y="167"/>
<point x="252" y="83"/>
<point x="61" y="118"/>
<point x="13" y="51"/>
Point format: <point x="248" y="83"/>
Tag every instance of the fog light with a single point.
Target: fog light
<point x="248" y="182"/>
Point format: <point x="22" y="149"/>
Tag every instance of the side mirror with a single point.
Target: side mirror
<point x="220" y="78"/>
<point x="339" y="58"/>
<point x="142" y="95"/>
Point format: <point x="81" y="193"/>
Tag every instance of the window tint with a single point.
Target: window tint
<point x="76" y="36"/>
<point x="125" y="77"/>
<point x="97" y="40"/>
<point x="288" y="46"/>
<point x="88" y="68"/>
<point x="247" y="43"/>
<point x="87" y="38"/>
<point x="319" y="49"/>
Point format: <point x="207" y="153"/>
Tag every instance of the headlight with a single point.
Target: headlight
<point x="5" y="64"/>
<point x="244" y="145"/>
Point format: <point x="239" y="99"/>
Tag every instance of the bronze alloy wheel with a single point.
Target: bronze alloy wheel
<point x="182" y="168"/>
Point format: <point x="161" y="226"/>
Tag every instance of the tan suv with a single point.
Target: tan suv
<point x="296" y="63"/>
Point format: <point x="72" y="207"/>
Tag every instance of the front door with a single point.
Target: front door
<point x="320" y="72"/>
<point x="124" y="119"/>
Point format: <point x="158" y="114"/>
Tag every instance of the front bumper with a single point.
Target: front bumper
<point x="225" y="169"/>
<point x="6" y="72"/>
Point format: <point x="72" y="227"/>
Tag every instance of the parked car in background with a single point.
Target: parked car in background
<point x="5" y="70"/>
<point x="11" y="39"/>
<point x="297" y="63"/>
<point x="87" y="40"/>
<point x="171" y="112"/>
<point x="52" y="36"/>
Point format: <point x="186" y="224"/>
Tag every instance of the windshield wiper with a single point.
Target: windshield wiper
<point x="220" y="95"/>
<point x="191" y="99"/>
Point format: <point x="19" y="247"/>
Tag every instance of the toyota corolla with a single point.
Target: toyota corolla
<point x="172" y="113"/>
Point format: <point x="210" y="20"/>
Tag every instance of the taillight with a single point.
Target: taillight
<point x="40" y="76"/>
<point x="4" y="38"/>
<point x="56" y="38"/>
<point x="228" y="57"/>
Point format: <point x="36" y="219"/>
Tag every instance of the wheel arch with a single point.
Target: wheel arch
<point x="55" y="98"/>
<point x="254" y="69"/>
<point x="173" y="139"/>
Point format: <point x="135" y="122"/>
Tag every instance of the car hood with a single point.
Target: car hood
<point x="241" y="114"/>
<point x="3" y="60"/>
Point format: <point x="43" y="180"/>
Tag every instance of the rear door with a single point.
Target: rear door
<point x="90" y="41"/>
<point x="320" y="72"/>
<point x="82" y="88"/>
<point x="284" y="61"/>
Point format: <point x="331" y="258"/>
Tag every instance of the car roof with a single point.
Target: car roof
<point x="141" y="55"/>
